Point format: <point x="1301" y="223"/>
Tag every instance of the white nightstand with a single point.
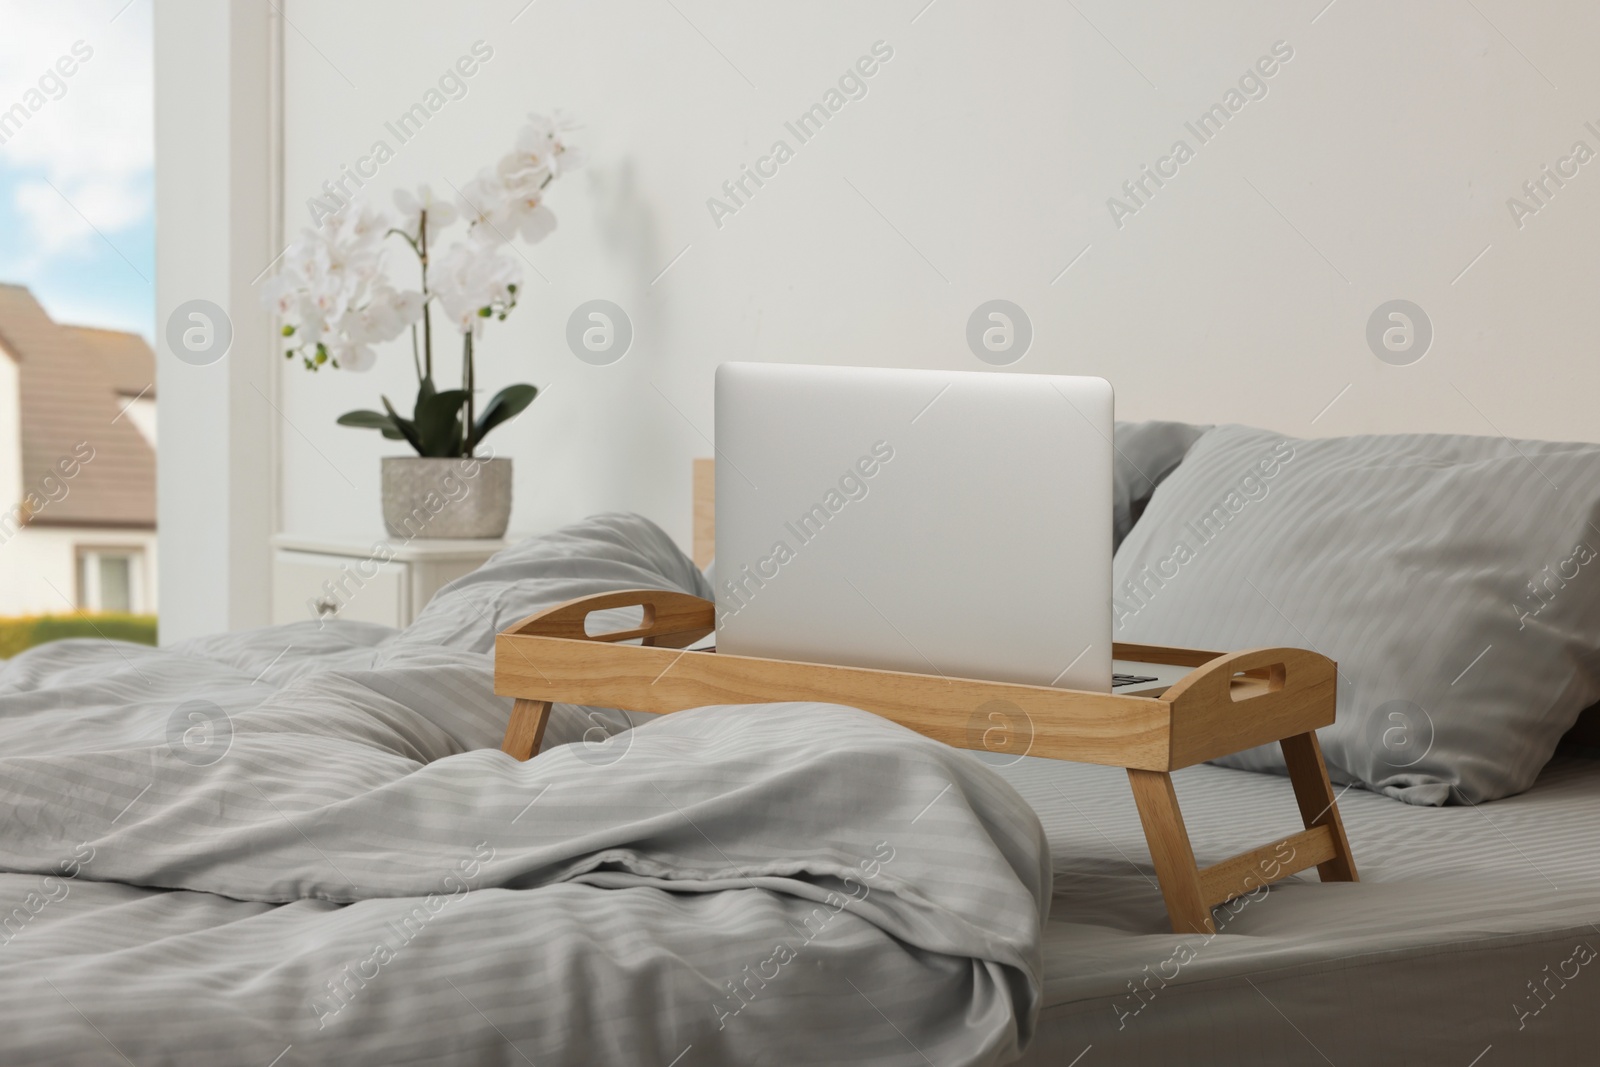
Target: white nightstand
<point x="376" y="581"/>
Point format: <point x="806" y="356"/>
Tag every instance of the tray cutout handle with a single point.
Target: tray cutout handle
<point x="1239" y="677"/>
<point x="1244" y="699"/>
<point x="1246" y="685"/>
<point x="670" y="619"/>
<point x="646" y="619"/>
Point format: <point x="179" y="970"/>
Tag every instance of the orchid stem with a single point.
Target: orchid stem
<point x="427" y="318"/>
<point x="468" y="383"/>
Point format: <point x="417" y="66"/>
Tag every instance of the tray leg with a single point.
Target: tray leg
<point x="525" y="731"/>
<point x="1314" y="793"/>
<point x="1170" y="851"/>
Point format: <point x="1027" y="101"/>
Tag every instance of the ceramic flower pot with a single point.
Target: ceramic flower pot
<point x="461" y="497"/>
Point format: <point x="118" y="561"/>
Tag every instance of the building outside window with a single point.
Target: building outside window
<point x="111" y="579"/>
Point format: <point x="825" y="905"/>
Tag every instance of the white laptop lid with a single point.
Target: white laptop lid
<point x="942" y="522"/>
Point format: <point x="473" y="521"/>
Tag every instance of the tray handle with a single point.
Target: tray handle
<point x="1238" y="677"/>
<point x="671" y="619"/>
<point x="1249" y="698"/>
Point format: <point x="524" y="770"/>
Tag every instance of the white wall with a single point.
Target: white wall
<point x="1378" y="166"/>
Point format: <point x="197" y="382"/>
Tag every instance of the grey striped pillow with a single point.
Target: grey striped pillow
<point x="1454" y="579"/>
<point x="1145" y="453"/>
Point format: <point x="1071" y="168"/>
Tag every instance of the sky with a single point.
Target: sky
<point x="77" y="196"/>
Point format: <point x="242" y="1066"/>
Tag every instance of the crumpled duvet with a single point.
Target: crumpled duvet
<point x="300" y="844"/>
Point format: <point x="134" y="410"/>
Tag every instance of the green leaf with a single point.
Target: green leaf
<point x="507" y="404"/>
<point x="370" y="420"/>
<point x="439" y="422"/>
<point x="407" y="428"/>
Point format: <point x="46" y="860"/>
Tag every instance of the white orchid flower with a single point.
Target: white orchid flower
<point x="441" y="212"/>
<point x="483" y="200"/>
<point x="474" y="283"/>
<point x="332" y="294"/>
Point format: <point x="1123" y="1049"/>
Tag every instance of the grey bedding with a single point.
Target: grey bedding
<point x="1146" y="452"/>
<point x="300" y="845"/>
<point x="1470" y="928"/>
<point x="1451" y="578"/>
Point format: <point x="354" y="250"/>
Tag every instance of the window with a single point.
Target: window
<point x="110" y="579"/>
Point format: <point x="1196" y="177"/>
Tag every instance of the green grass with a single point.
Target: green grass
<point x="23" y="632"/>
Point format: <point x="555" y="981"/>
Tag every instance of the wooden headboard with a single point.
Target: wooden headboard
<point x="705" y="510"/>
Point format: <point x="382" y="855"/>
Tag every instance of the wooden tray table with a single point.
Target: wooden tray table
<point x="1229" y="702"/>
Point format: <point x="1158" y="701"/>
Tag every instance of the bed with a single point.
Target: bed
<point x="1470" y="928"/>
<point x="300" y="844"/>
<point x="1379" y="949"/>
<point x="1469" y="936"/>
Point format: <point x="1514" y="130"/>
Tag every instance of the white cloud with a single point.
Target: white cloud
<point x="60" y="221"/>
<point x="94" y="140"/>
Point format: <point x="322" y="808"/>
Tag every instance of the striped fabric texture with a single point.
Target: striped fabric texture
<point x="1455" y="580"/>
<point x="300" y="845"/>
<point x="1146" y="452"/>
<point x="1463" y="932"/>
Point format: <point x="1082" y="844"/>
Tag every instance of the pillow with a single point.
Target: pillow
<point x="1455" y="581"/>
<point x="602" y="554"/>
<point x="1146" y="452"/>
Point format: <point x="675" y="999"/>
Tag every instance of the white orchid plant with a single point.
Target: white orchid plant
<point x="335" y="301"/>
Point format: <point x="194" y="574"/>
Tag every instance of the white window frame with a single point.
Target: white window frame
<point x="87" y="561"/>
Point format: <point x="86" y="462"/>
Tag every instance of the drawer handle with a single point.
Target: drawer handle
<point x="325" y="606"/>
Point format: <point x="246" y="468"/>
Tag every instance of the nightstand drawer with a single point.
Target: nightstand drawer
<point x="308" y="585"/>
<point x="374" y="581"/>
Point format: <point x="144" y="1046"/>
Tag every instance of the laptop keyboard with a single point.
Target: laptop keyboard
<point x="1118" y="680"/>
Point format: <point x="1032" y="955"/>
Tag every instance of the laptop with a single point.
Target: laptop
<point x="939" y="522"/>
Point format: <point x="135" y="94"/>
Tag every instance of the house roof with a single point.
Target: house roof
<point x="129" y="365"/>
<point x="73" y="382"/>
